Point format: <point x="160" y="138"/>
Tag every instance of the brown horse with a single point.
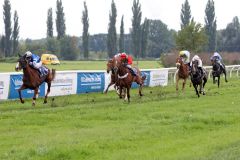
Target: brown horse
<point x="182" y="73"/>
<point x="125" y="80"/>
<point x="32" y="80"/>
<point x="111" y="66"/>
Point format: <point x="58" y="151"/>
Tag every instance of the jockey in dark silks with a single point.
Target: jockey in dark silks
<point x="216" y="57"/>
<point x="127" y="60"/>
<point x="36" y="63"/>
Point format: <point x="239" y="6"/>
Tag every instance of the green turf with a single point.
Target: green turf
<point x="81" y="65"/>
<point x="161" y="125"/>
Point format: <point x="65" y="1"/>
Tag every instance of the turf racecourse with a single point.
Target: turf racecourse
<point x="160" y="125"/>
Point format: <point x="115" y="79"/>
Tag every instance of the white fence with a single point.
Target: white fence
<point x="79" y="82"/>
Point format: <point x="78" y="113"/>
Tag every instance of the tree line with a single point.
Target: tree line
<point x="148" y="38"/>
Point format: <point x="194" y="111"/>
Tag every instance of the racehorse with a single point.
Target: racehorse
<point x="217" y="70"/>
<point x="125" y="80"/>
<point x="111" y="65"/>
<point x="32" y="80"/>
<point x="198" y="78"/>
<point x="182" y="73"/>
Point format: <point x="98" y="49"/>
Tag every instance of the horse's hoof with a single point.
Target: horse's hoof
<point x="33" y="104"/>
<point x="204" y="93"/>
<point x="22" y="101"/>
<point x="45" y="102"/>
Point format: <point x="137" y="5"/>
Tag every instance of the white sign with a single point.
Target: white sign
<point x="63" y="84"/>
<point x="159" y="77"/>
<point x="4" y="86"/>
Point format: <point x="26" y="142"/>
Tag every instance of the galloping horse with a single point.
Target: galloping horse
<point x="217" y="71"/>
<point x="182" y="73"/>
<point x="32" y="80"/>
<point x="198" y="78"/>
<point x="111" y="66"/>
<point x="125" y="80"/>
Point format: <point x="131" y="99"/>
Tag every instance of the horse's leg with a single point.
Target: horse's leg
<point x="183" y="84"/>
<point x="48" y="91"/>
<point x="204" y="82"/>
<point x="196" y="89"/>
<point x="140" y="90"/>
<point x="214" y="80"/>
<point x="20" y="93"/>
<point x="128" y="94"/>
<point x="219" y="80"/>
<point x="177" y="80"/>
<point x="34" y="96"/>
<point x="225" y="74"/>
<point x="120" y="92"/>
<point x="111" y="83"/>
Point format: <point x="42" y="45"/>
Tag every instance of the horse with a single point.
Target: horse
<point x="198" y="78"/>
<point x="182" y="73"/>
<point x="32" y="80"/>
<point x="111" y="65"/>
<point x="125" y="80"/>
<point x="217" y="70"/>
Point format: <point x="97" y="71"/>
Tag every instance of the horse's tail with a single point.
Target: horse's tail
<point x="53" y="74"/>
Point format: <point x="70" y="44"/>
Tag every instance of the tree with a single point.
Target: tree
<point x="136" y="28"/>
<point x="112" y="33"/>
<point x="8" y="28"/>
<point x="69" y="48"/>
<point x="1" y="46"/>
<point x="192" y="37"/>
<point x="85" y="34"/>
<point x="161" y="40"/>
<point x="144" y="37"/>
<point x="211" y="26"/>
<point x="185" y="14"/>
<point x="52" y="45"/>
<point x="231" y="36"/>
<point x="49" y="23"/>
<point x="60" y="20"/>
<point x="121" y="38"/>
<point x="15" y="33"/>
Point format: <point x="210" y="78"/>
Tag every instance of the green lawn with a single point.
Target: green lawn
<point x="161" y="125"/>
<point x="81" y="65"/>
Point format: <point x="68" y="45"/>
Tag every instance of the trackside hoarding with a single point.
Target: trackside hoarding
<point x="73" y="82"/>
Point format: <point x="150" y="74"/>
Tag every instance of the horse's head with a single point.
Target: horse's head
<point x="22" y="63"/>
<point x="110" y="65"/>
<point x="179" y="62"/>
<point x="194" y="70"/>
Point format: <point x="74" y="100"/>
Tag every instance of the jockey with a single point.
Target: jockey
<point x="197" y="58"/>
<point x="127" y="60"/>
<point x="185" y="55"/>
<point x="217" y="57"/>
<point x="35" y="62"/>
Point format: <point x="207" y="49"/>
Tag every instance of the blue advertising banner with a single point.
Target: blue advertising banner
<point x="15" y="84"/>
<point x="147" y="80"/>
<point x="90" y="82"/>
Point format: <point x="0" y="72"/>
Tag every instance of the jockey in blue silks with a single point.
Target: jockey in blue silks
<point x="36" y="63"/>
<point x="218" y="58"/>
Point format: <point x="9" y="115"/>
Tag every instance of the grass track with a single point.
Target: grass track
<point x="161" y="125"/>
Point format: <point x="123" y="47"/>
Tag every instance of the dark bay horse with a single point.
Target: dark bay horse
<point x="125" y="80"/>
<point x="198" y="78"/>
<point x="182" y="73"/>
<point x="217" y="70"/>
<point x="32" y="80"/>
